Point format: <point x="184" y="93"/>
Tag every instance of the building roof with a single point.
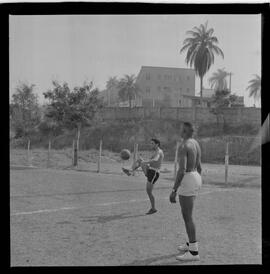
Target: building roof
<point x="174" y="68"/>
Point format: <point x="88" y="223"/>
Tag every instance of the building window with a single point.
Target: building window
<point x="188" y="77"/>
<point x="147" y="76"/>
<point x="179" y="78"/>
<point x="187" y="89"/>
<point x="159" y="76"/>
<point x="179" y="102"/>
<point x="147" y="90"/>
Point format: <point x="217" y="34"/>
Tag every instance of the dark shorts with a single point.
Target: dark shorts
<point x="152" y="176"/>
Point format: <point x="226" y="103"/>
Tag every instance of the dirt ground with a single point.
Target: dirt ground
<point x="65" y="217"/>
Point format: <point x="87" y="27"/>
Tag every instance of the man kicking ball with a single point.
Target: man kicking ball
<point x="189" y="181"/>
<point x="151" y="170"/>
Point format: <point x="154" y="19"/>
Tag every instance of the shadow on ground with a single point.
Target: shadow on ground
<point x="155" y="259"/>
<point x="104" y="219"/>
<point x="83" y="193"/>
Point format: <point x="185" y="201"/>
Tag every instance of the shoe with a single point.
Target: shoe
<point x="126" y="171"/>
<point x="184" y="247"/>
<point x="151" y="211"/>
<point x="188" y="257"/>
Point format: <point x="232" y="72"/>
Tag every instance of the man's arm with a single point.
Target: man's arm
<point x="182" y="168"/>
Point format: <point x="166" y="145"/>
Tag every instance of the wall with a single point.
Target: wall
<point x="232" y="116"/>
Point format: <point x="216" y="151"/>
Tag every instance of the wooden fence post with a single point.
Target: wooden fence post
<point x="99" y="156"/>
<point x="226" y="162"/>
<point x="49" y="154"/>
<point x="29" y="157"/>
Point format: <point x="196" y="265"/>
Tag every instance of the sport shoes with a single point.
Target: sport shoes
<point x="184" y="247"/>
<point x="188" y="257"/>
<point x="151" y="211"/>
<point x="126" y="171"/>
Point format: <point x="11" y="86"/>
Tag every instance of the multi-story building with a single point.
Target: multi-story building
<point x="164" y="86"/>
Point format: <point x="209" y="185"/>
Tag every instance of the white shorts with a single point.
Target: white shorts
<point x="190" y="184"/>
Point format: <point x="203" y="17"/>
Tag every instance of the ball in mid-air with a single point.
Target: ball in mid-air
<point x="125" y="154"/>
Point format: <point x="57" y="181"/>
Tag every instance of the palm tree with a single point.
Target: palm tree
<point x="218" y="80"/>
<point x="201" y="48"/>
<point x="255" y="87"/>
<point x="128" y="89"/>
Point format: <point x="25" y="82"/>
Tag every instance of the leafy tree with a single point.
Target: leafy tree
<point x="218" y="80"/>
<point x="73" y="109"/>
<point x="49" y="127"/>
<point x="24" y="110"/>
<point x="128" y="89"/>
<point x="220" y="100"/>
<point x="201" y="48"/>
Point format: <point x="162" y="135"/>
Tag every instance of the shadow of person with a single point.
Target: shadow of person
<point x="104" y="219"/>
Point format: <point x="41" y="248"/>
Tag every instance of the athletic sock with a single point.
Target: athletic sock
<point x="193" y="248"/>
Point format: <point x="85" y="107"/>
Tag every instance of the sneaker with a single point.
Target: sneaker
<point x="126" y="171"/>
<point x="188" y="257"/>
<point x="151" y="211"/>
<point x="184" y="247"/>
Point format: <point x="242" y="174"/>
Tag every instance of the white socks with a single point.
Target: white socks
<point x="193" y="248"/>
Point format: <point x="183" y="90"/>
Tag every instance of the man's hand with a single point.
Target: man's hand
<point x="173" y="197"/>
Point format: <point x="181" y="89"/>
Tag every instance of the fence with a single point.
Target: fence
<point x="214" y="149"/>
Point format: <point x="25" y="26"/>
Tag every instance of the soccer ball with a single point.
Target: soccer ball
<point x="125" y="154"/>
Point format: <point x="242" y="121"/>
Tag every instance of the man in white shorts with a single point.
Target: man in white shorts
<point x="189" y="182"/>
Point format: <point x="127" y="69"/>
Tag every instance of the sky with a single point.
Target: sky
<point x="78" y="48"/>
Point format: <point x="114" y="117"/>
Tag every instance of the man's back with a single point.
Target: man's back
<point x="193" y="155"/>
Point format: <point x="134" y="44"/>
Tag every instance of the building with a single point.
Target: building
<point x="164" y="86"/>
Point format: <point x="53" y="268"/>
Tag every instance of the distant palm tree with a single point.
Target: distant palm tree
<point x="254" y="87"/>
<point x="201" y="48"/>
<point x="128" y="90"/>
<point x="218" y="80"/>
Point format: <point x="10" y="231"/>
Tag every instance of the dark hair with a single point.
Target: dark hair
<point x="156" y="141"/>
<point x="189" y="126"/>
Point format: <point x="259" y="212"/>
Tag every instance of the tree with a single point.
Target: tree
<point x="73" y="109"/>
<point x="201" y="49"/>
<point x="221" y="99"/>
<point x="24" y="110"/>
<point x="128" y="89"/>
<point x="254" y="87"/>
<point x="48" y="127"/>
<point x="218" y="80"/>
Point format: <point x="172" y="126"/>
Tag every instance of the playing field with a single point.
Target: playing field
<point x="81" y="218"/>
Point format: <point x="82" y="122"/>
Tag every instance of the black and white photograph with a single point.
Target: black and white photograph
<point x="135" y="139"/>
